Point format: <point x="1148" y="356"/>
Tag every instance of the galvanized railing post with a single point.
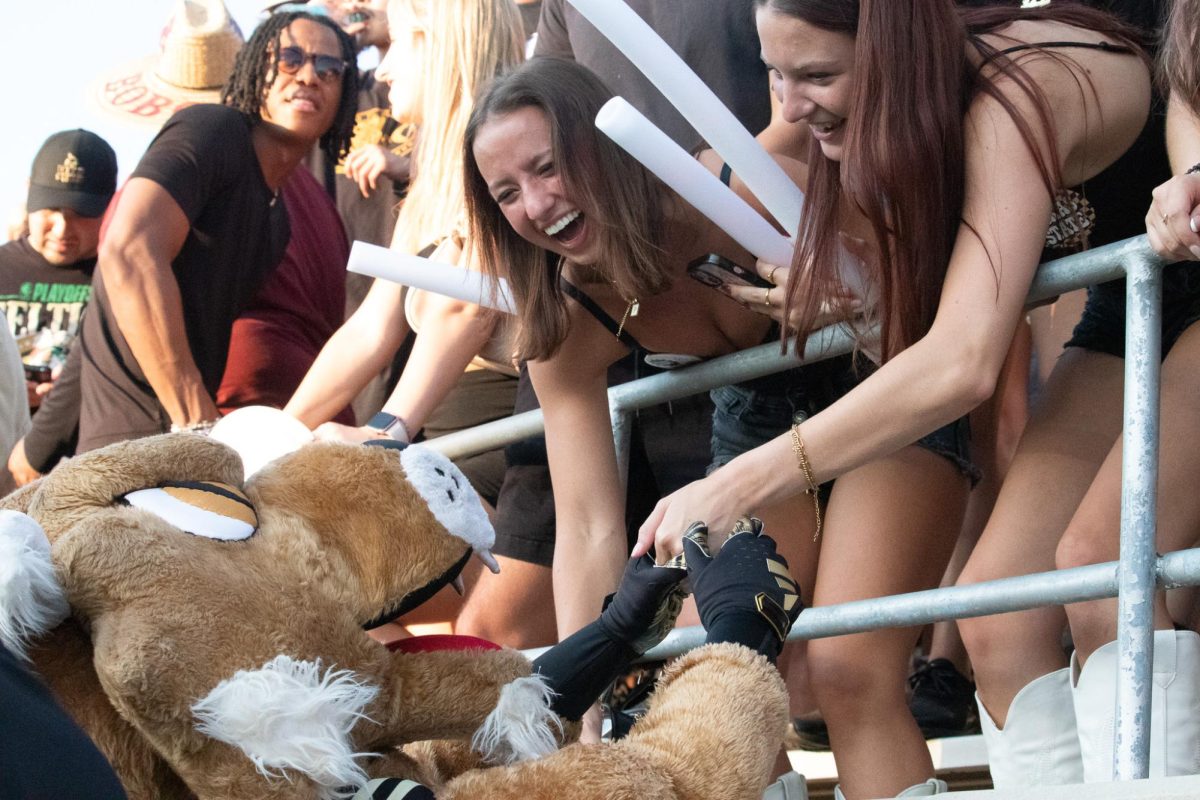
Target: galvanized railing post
<point x="1139" y="490"/>
<point x="622" y="425"/>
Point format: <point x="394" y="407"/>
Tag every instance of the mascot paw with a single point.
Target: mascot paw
<point x="522" y="726"/>
<point x="31" y="599"/>
<point x="288" y="716"/>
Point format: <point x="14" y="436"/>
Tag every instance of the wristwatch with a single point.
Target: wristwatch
<point x="390" y="425"/>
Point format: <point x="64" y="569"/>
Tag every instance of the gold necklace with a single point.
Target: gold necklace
<point x="631" y="310"/>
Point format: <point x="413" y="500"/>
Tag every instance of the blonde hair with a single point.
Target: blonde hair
<point x="467" y="44"/>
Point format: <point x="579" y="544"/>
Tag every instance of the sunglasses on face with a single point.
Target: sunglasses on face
<point x="328" y="68"/>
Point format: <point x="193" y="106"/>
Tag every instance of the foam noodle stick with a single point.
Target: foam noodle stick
<point x="692" y="181"/>
<point x="432" y="276"/>
<point x="699" y="106"/>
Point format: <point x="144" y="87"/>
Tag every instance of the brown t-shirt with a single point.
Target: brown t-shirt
<point x="204" y="158"/>
<point x="716" y="38"/>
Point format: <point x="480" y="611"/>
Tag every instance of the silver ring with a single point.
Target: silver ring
<point x="767" y="296"/>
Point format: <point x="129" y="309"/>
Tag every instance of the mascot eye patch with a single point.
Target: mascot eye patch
<point x="201" y="508"/>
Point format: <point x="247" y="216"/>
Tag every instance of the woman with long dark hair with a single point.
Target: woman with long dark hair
<point x="596" y="251"/>
<point x="951" y="140"/>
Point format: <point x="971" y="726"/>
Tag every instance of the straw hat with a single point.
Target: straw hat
<point x="195" y="58"/>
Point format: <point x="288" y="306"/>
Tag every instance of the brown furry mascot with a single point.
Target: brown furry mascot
<point x="208" y="636"/>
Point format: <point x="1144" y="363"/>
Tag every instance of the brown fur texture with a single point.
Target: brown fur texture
<point x="161" y="617"/>
<point x="689" y="746"/>
<point x="169" y="615"/>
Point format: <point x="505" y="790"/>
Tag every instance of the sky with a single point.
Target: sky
<point x="53" y="54"/>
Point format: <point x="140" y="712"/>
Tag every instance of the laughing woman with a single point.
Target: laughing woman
<point x="596" y="251"/>
<point x="950" y="134"/>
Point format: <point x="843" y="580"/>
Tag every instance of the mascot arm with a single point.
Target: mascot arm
<point x="444" y="694"/>
<point x="635" y="618"/>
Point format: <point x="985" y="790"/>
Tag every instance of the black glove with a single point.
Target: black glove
<point x="635" y="618"/>
<point x="643" y="609"/>
<point x="745" y="594"/>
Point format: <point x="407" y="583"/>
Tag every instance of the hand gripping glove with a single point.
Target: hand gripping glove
<point x="635" y="618"/>
<point x="745" y="593"/>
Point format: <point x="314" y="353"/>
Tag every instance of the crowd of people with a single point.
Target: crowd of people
<point x="949" y="148"/>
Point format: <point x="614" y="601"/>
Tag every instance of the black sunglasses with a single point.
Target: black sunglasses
<point x="328" y="68"/>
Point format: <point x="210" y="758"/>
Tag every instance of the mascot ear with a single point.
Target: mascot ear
<point x="260" y="435"/>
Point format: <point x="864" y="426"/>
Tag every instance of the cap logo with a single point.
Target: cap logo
<point x="69" y="171"/>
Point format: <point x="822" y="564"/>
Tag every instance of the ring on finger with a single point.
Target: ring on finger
<point x="771" y="274"/>
<point x="767" y="297"/>
<point x="1165" y="217"/>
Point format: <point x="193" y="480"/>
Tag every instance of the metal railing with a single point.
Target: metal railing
<point x="1132" y="579"/>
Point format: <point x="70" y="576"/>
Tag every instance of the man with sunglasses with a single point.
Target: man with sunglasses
<point x="199" y="227"/>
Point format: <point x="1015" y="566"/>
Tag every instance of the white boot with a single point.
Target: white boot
<point x="927" y="789"/>
<point x="790" y="786"/>
<point x="1174" y="707"/>
<point x="1038" y="745"/>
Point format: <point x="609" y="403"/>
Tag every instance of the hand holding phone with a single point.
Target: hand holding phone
<point x="716" y="271"/>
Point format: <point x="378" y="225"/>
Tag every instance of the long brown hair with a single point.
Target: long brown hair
<point x="903" y="163"/>
<point x="1179" y="62"/>
<point x="623" y="201"/>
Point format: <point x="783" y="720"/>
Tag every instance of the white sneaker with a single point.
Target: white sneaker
<point x="927" y="789"/>
<point x="790" y="786"/>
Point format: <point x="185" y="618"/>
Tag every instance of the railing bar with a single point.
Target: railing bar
<point x="1018" y="593"/>
<point x="1139" y="483"/>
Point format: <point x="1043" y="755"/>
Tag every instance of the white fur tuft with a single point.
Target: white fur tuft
<point x="32" y="601"/>
<point x="449" y="495"/>
<point x="522" y="726"/>
<point x="288" y="716"/>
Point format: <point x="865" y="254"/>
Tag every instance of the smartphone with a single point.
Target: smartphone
<point x="715" y="271"/>
<point x="38" y="373"/>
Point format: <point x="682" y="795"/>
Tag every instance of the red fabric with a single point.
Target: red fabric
<point x="440" y="641"/>
<point x="302" y="303"/>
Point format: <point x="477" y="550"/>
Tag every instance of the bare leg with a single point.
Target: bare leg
<point x="1093" y="535"/>
<point x="1068" y="436"/>
<point x="891" y="528"/>
<point x="512" y="608"/>
<point x="996" y="428"/>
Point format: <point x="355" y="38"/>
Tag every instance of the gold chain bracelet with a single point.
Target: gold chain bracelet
<point x="806" y="469"/>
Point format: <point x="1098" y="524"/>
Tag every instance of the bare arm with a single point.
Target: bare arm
<point x="452" y="333"/>
<point x="955" y="365"/>
<point x="589" y="500"/>
<point x="356" y="352"/>
<point x="147" y="232"/>
<point x="1174" y="215"/>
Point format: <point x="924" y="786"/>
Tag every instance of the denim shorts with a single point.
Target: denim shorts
<point x="1102" y="326"/>
<point x="748" y="415"/>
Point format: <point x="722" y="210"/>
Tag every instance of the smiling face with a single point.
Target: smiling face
<point x="812" y="74"/>
<point x="62" y="236"/>
<point x="304" y="104"/>
<point x="515" y="156"/>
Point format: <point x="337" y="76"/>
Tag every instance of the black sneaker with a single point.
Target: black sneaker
<point x="808" y="733"/>
<point x="942" y="700"/>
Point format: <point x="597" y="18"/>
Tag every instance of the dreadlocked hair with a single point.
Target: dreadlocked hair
<point x="256" y="68"/>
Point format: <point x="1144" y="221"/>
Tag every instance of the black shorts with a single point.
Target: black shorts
<point x="1102" y="326"/>
<point x="669" y="448"/>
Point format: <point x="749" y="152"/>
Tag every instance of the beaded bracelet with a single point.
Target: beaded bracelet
<point x="806" y="469"/>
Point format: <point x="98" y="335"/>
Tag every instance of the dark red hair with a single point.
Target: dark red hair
<point x="903" y="162"/>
